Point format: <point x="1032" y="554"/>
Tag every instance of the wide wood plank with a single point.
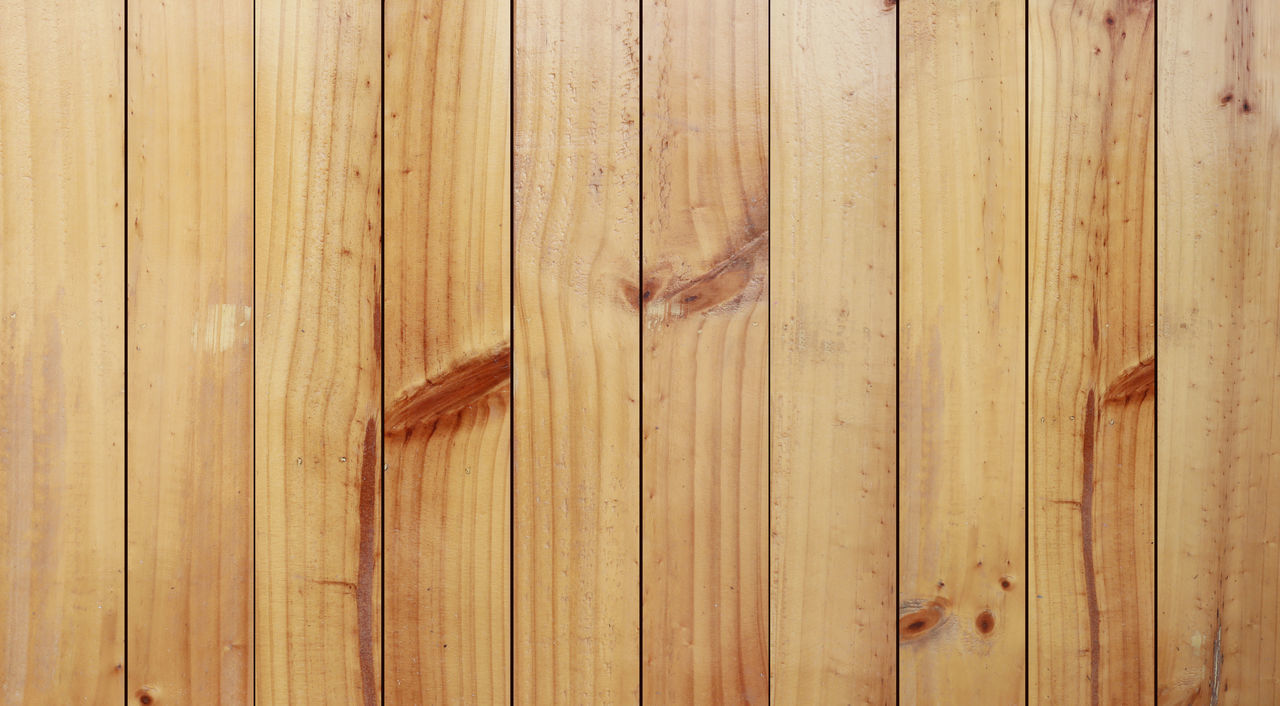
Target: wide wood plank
<point x="834" y="228"/>
<point x="62" y="352"/>
<point x="190" y="224"/>
<point x="448" y="370"/>
<point x="962" y="587"/>
<point x="1219" y="371"/>
<point x="577" y="352"/>
<point x="1092" y="346"/>
<point x="705" y="351"/>
<point x="318" y="355"/>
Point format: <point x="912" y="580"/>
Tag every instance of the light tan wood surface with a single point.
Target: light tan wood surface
<point x="833" y="183"/>
<point x="448" y="370"/>
<point x="190" y="239"/>
<point x="62" y="382"/>
<point x="577" y="355"/>
<point x="1092" y="351"/>
<point x="1219" y="366"/>
<point x="962" y="586"/>
<point x="704" y="288"/>
<point x="318" y="355"/>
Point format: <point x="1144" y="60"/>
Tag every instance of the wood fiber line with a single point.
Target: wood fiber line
<point x="448" y="375"/>
<point x="577" y="352"/>
<point x="833" y="188"/>
<point x="1092" y="345"/>
<point x="1218" y="436"/>
<point x="705" y="440"/>
<point x="962" y="357"/>
<point x="318" y="355"/>
<point x="62" y="412"/>
<point x="190" y="228"/>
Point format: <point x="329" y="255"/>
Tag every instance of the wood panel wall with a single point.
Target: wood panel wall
<point x="741" y="351"/>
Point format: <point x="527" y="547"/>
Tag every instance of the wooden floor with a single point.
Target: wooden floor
<point x="407" y="352"/>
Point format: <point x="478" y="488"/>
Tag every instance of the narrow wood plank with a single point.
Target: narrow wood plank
<point x="448" y="374"/>
<point x="705" y="351"/>
<point x="1219" y="373"/>
<point x="962" y="607"/>
<point x="62" y="352"/>
<point x="190" y="351"/>
<point x="577" y="352"/>
<point x="318" y="358"/>
<point x="833" y="185"/>
<point x="1092" y="347"/>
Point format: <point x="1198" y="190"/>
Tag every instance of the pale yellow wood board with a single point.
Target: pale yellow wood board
<point x="62" y="352"/>
<point x="834" y="290"/>
<point x="448" y="352"/>
<point x="1092" y="347"/>
<point x="190" y="317"/>
<point x="704" y="288"/>
<point x="577" y="353"/>
<point x="318" y="355"/>
<point x="962" y="362"/>
<point x="1218" y="435"/>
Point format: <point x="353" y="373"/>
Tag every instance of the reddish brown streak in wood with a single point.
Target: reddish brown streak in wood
<point x="469" y="382"/>
<point x="364" y="579"/>
<point x="1086" y="542"/>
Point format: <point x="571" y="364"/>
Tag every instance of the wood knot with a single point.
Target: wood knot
<point x="985" y="622"/>
<point x="917" y="619"/>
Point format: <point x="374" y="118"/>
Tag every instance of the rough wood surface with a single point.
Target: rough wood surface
<point x="704" y="288"/>
<point x="190" y="227"/>
<point x="833" y="185"/>
<point x="1219" y="368"/>
<point x="962" y="475"/>
<point x="62" y="352"/>
<point x="448" y="370"/>
<point x="577" y="352"/>
<point x="1092" y="347"/>
<point x="318" y="410"/>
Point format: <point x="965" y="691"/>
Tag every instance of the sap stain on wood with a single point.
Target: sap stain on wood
<point x="465" y="384"/>
<point x="368" y="508"/>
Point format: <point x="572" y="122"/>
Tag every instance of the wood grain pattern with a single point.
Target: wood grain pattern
<point x="448" y="370"/>
<point x="577" y="352"/>
<point x="705" y="440"/>
<point x="318" y="354"/>
<point x="62" y="352"/>
<point x="1219" y="372"/>
<point x="190" y="314"/>
<point x="1092" y="348"/>
<point x="833" y="188"/>
<point x="962" y="365"/>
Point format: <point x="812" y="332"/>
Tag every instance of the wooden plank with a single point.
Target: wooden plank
<point x="448" y="374"/>
<point x="318" y="409"/>
<point x="577" y="352"/>
<point x="962" y="600"/>
<point x="833" y="187"/>
<point x="190" y="313"/>
<point x="1219" y="372"/>
<point x="62" y="352"/>
<point x="1092" y="347"/>
<point x="705" y="351"/>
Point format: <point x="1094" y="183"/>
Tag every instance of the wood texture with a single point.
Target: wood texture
<point x="1092" y="348"/>
<point x="190" y="319"/>
<point x="577" y="352"/>
<point x="962" y="476"/>
<point x="318" y="353"/>
<point x="448" y="374"/>
<point x="705" y="435"/>
<point x="833" y="185"/>
<point x="62" y="352"/>
<point x="1219" y="371"/>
